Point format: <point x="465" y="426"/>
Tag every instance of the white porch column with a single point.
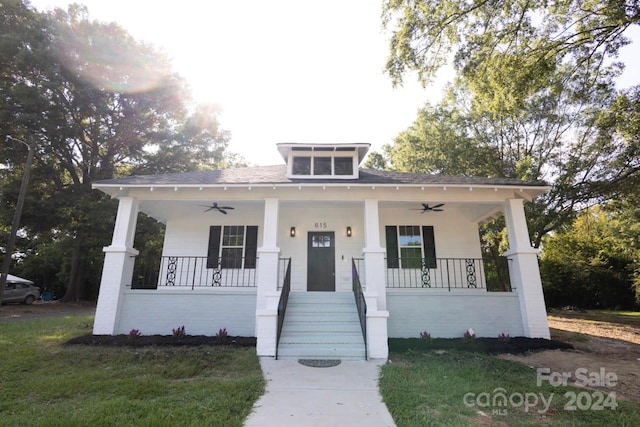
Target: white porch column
<point x="375" y="283"/>
<point x="267" y="292"/>
<point x="117" y="271"/>
<point x="525" y="272"/>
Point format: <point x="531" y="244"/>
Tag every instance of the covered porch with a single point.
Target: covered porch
<point x="398" y="297"/>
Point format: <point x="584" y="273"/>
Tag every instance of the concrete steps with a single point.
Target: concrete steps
<point x="321" y="325"/>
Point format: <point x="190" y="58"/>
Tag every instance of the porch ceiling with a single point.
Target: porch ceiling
<point x="474" y="211"/>
<point x="165" y="210"/>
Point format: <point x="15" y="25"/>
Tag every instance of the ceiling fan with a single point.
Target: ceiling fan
<point x="426" y="208"/>
<point x="214" y="206"/>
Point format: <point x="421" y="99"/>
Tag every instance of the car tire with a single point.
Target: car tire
<point x="29" y="299"/>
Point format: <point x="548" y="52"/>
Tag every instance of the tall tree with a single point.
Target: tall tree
<point x="619" y="127"/>
<point x="99" y="104"/>
<point x="533" y="98"/>
<point x="552" y="136"/>
<point x="590" y="263"/>
<point x="530" y="37"/>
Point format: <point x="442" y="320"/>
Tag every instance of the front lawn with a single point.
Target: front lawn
<point x="47" y="383"/>
<point x="461" y="388"/>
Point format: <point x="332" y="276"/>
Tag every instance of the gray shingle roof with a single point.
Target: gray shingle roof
<point x="277" y="175"/>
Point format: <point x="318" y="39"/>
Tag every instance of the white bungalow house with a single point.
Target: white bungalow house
<point x="317" y="258"/>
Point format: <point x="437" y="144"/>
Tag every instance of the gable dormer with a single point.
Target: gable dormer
<point x="323" y="161"/>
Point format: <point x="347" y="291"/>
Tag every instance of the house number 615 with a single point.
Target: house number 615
<point x="321" y="225"/>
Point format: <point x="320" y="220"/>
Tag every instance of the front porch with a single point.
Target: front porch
<point x="442" y="300"/>
<point x="236" y="270"/>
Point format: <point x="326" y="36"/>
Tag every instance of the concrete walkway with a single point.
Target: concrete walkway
<point x="297" y="395"/>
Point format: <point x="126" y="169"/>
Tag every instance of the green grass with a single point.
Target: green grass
<point x="630" y="318"/>
<point x="46" y="383"/>
<point x="429" y="388"/>
<point x="632" y="314"/>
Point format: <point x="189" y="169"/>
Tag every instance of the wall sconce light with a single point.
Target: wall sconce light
<point x="292" y="232"/>
<point x="349" y="231"/>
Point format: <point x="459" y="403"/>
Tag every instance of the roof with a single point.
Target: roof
<point x="15" y="279"/>
<point x="272" y="175"/>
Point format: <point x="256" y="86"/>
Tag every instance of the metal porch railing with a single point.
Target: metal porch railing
<point x="192" y="272"/>
<point x="284" y="299"/>
<point x="361" y="303"/>
<point x="447" y="273"/>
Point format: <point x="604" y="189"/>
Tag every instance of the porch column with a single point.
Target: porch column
<point x="524" y="271"/>
<point x="117" y="271"/>
<point x="375" y="283"/>
<point x="267" y="292"/>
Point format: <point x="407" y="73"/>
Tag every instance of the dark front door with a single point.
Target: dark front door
<point x="321" y="261"/>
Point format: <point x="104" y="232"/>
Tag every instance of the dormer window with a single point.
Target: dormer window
<point x="323" y="164"/>
<point x="316" y="161"/>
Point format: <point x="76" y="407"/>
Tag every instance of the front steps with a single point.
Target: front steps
<point x="321" y="325"/>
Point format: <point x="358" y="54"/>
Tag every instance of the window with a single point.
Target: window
<point x="323" y="161"/>
<point x="321" y="241"/>
<point x="343" y="165"/>
<point x="232" y="246"/>
<point x="319" y="165"/>
<point x="301" y="165"/>
<point x="322" y="165"/>
<point x="408" y="245"/>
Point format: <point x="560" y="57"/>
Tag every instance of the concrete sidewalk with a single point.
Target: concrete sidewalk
<point x="297" y="395"/>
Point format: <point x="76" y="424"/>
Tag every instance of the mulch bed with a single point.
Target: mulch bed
<point x="160" y="340"/>
<point x="515" y="345"/>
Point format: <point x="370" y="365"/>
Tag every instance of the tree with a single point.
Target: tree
<point x="553" y="136"/>
<point x="377" y="161"/>
<point x="529" y="38"/>
<point x="619" y="127"/>
<point x="99" y="104"/>
<point x="590" y="264"/>
<point x="534" y="98"/>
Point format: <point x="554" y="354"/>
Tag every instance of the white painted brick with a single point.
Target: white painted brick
<point x="202" y="312"/>
<point x="450" y="314"/>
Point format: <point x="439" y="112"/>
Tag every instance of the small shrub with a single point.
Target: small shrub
<point x="222" y="334"/>
<point x="504" y="337"/>
<point x="179" y="332"/>
<point x="470" y="334"/>
<point x="424" y="335"/>
<point x="134" y="333"/>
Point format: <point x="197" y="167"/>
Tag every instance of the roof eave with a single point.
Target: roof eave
<point x="528" y="192"/>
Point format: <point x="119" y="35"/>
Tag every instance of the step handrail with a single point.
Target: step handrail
<point x="284" y="299"/>
<point x="361" y="303"/>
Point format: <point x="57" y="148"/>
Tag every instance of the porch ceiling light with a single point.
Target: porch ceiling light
<point x="349" y="231"/>
<point x="292" y="232"/>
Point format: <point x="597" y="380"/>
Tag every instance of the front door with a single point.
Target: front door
<point x="321" y="261"/>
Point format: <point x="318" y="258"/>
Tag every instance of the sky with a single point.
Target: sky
<point x="284" y="70"/>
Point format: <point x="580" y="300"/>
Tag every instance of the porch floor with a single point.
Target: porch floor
<point x="321" y="325"/>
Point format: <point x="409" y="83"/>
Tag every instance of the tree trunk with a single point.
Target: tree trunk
<point x="75" y="284"/>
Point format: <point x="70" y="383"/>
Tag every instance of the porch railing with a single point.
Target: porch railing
<point x="361" y="303"/>
<point x="284" y="299"/>
<point x="283" y="266"/>
<point x="447" y="273"/>
<point x="192" y="272"/>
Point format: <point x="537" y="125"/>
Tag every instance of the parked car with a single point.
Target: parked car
<point x="23" y="293"/>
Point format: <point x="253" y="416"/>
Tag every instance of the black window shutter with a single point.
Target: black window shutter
<point x="391" y="232"/>
<point x="213" y="252"/>
<point x="429" y="244"/>
<point x="251" y="247"/>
